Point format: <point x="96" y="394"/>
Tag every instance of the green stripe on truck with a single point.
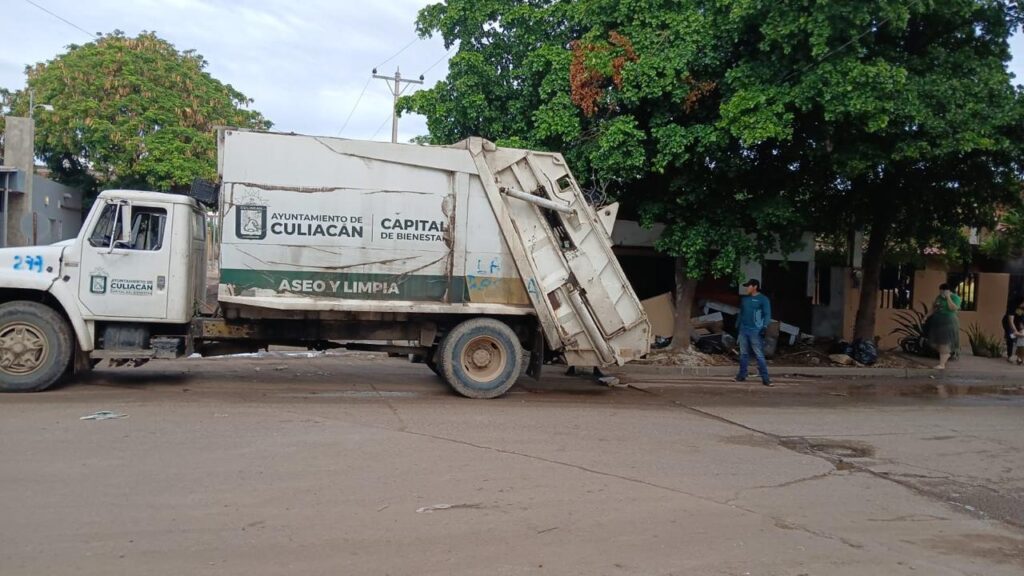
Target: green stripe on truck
<point x="347" y="285"/>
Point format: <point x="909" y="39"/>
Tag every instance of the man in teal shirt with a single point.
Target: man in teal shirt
<point x="755" y="316"/>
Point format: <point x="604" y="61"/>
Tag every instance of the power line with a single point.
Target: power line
<point x="396" y="54"/>
<point x="439" y="60"/>
<point x="353" y="110"/>
<point x="870" y="29"/>
<point x="64" y="20"/>
<point x="370" y="79"/>
<point x="381" y="127"/>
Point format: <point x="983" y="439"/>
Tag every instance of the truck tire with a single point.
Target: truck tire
<point x="35" y="346"/>
<point x="481" y="358"/>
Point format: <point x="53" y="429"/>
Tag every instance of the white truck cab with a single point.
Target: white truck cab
<point x="139" y="260"/>
<point x="152" y="270"/>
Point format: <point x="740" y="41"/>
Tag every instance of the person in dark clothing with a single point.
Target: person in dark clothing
<point x="755" y="316"/>
<point x="1013" y="329"/>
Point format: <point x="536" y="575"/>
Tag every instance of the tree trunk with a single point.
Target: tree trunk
<point x="864" y="327"/>
<point x="686" y="289"/>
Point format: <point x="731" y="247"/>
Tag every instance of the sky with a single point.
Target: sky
<point x="303" y="62"/>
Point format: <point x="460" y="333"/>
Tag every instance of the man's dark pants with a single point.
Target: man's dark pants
<point x="752" y="342"/>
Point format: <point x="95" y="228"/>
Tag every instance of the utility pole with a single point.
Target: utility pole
<point x="396" y="87"/>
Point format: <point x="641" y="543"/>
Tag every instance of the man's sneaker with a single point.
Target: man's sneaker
<point x="767" y="383"/>
<point x="738" y="379"/>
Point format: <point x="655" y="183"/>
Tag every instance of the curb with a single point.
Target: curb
<point x="698" y="372"/>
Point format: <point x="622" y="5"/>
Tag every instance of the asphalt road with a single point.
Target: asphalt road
<point x="356" y="464"/>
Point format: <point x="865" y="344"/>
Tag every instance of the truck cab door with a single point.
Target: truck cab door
<point x="125" y="262"/>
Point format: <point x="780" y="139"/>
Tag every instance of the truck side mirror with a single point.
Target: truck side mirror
<point x="126" y="223"/>
<point x="122" y="217"/>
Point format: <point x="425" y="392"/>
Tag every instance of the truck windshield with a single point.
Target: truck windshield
<point x="147" y="228"/>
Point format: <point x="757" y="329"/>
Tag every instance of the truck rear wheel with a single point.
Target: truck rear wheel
<point x="481" y="358"/>
<point x="35" y="346"/>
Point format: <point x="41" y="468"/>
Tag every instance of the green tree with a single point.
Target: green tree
<point x="732" y="122"/>
<point x="629" y="92"/>
<point x="906" y="106"/>
<point x="131" y="112"/>
<point x="1006" y="240"/>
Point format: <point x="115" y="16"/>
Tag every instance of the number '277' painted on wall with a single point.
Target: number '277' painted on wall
<point x="29" y="263"/>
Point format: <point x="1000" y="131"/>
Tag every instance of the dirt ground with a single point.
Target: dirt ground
<point x="359" y="464"/>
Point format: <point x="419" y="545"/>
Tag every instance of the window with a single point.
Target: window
<point x="147" y="228"/>
<point x="147" y="231"/>
<point x="198" y="226"/>
<point x="104" y="229"/>
<point x="964" y="285"/>
<point x="896" y="287"/>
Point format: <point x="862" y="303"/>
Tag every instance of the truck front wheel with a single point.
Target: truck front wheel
<point x="35" y="346"/>
<point x="481" y="358"/>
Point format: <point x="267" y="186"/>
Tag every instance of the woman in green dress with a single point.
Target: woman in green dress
<point x="944" y="329"/>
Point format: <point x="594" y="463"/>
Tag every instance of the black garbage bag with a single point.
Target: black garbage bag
<point x="661" y="342"/>
<point x="864" y="352"/>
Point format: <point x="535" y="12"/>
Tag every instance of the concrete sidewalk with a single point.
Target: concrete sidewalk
<point x="965" y="368"/>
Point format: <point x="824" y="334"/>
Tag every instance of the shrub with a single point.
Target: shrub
<point x="983" y="344"/>
<point x="912" y="326"/>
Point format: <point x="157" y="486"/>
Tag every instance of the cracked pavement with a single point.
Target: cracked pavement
<point x="336" y="465"/>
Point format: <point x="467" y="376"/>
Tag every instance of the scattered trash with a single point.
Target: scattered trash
<point x="429" y="509"/>
<point x="610" y="381"/>
<point x="662" y="342"/>
<point x="841" y="359"/>
<point x="688" y="357"/>
<point x="435" y="507"/>
<point x="719" y="343"/>
<point x="103" y="415"/>
<point x="385" y="507"/>
<point x="546" y="530"/>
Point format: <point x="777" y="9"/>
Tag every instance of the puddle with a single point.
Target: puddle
<point x="998" y="548"/>
<point x="841" y="449"/>
<point x="927" y="390"/>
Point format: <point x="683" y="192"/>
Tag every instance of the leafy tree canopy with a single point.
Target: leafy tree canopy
<point x="731" y="121"/>
<point x="131" y="112"/>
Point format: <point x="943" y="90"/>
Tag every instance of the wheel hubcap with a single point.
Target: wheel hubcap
<point x="483" y="359"/>
<point x="22" y="348"/>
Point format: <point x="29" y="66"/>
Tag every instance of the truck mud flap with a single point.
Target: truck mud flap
<point x="537" y="350"/>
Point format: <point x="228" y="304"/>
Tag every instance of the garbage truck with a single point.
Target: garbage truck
<point x="483" y="262"/>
